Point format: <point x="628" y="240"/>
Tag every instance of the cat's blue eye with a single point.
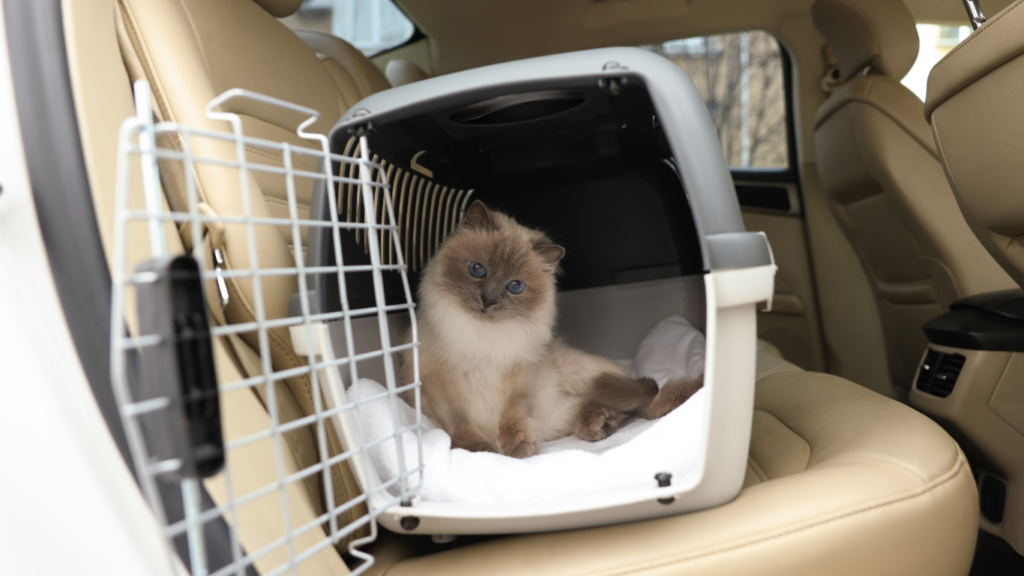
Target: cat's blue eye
<point x="478" y="270"/>
<point x="516" y="286"/>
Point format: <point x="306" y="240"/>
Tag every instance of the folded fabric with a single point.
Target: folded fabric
<point x="568" y="467"/>
<point x="672" y="349"/>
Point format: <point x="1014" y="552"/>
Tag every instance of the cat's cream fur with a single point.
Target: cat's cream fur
<point x="494" y="377"/>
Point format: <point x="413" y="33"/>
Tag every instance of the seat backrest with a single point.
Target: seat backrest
<point x="880" y="170"/>
<point x="193" y="50"/>
<point x="401" y="72"/>
<point x="977" y="115"/>
<point x="353" y="72"/>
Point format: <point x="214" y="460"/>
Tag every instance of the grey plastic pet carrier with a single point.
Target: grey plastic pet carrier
<point x="610" y="151"/>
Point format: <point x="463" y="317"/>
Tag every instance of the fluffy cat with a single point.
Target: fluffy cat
<point x="494" y="376"/>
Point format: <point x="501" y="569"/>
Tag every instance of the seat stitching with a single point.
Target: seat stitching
<point x="157" y="92"/>
<point x="279" y="157"/>
<point x="974" y="78"/>
<point x="985" y="28"/>
<point x="810" y="447"/>
<point x="887" y="115"/>
<point x="794" y="432"/>
<point x="283" y="201"/>
<point x="938" y="482"/>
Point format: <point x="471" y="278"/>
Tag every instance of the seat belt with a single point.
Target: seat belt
<point x="247" y="360"/>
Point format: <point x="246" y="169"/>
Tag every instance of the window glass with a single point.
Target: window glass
<point x="740" y="77"/>
<point x="372" y="26"/>
<point x="936" y="41"/>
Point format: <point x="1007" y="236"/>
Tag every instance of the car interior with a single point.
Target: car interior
<point x="888" y="424"/>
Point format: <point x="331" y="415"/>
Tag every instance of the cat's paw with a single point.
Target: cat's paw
<point x="597" y="422"/>
<point x="517" y="442"/>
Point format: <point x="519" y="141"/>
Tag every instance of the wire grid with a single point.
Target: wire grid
<point x="138" y="147"/>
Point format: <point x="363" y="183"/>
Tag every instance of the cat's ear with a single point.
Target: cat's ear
<point x="477" y="216"/>
<point x="550" y="253"/>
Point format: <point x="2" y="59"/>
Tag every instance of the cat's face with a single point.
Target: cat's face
<point x="495" y="269"/>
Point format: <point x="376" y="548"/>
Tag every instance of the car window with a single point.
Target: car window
<point x="936" y="41"/>
<point x="372" y="26"/>
<point x="740" y="76"/>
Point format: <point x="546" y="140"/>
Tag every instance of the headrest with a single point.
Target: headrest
<point x="280" y="8"/>
<point x="861" y="32"/>
<point x="994" y="44"/>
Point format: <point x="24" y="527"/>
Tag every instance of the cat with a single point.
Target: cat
<point x="494" y="376"/>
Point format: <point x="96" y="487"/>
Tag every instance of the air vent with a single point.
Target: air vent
<point x="939" y="372"/>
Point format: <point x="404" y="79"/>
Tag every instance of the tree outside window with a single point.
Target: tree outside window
<point x="372" y="26"/>
<point x="740" y="77"/>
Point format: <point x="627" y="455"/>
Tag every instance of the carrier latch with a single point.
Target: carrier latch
<point x="613" y="86"/>
<point x="664" y="480"/>
<point x="178" y="375"/>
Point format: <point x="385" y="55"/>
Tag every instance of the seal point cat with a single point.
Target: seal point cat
<point x="494" y="376"/>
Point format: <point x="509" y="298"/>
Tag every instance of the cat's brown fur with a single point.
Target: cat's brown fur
<point x="494" y="377"/>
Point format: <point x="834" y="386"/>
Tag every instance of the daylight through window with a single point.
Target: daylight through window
<point x="372" y="26"/>
<point x="935" y="41"/>
<point x="740" y="77"/>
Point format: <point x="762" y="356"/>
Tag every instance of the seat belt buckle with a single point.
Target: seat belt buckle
<point x="218" y="270"/>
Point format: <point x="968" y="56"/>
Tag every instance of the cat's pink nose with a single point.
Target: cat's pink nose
<point x="488" y="301"/>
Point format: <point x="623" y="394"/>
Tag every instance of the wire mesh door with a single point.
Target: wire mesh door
<point x="236" y="490"/>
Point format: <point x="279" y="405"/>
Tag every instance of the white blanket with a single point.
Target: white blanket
<point x="568" y="467"/>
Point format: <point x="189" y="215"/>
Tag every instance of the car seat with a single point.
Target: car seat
<point x="827" y="489"/>
<point x="881" y="172"/>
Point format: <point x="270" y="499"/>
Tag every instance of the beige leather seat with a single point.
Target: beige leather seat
<point x="881" y="172"/>
<point x="192" y="50"/>
<point x="828" y="490"/>
<point x="977" y="113"/>
<point x="976" y="110"/>
<point x="401" y="72"/>
<point x="355" y="76"/>
<point x="351" y="69"/>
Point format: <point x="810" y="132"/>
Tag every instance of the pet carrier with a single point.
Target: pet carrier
<point x="620" y="139"/>
<point x="610" y="151"/>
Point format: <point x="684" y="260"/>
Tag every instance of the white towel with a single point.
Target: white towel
<point x="565" y="468"/>
<point x="672" y="349"/>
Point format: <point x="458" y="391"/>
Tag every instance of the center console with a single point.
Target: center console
<point x="971" y="379"/>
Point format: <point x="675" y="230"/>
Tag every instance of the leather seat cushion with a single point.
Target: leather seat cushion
<point x="854" y="482"/>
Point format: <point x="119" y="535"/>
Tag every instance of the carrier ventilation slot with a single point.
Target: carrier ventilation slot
<point x="939" y="373"/>
<point x="426" y="210"/>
